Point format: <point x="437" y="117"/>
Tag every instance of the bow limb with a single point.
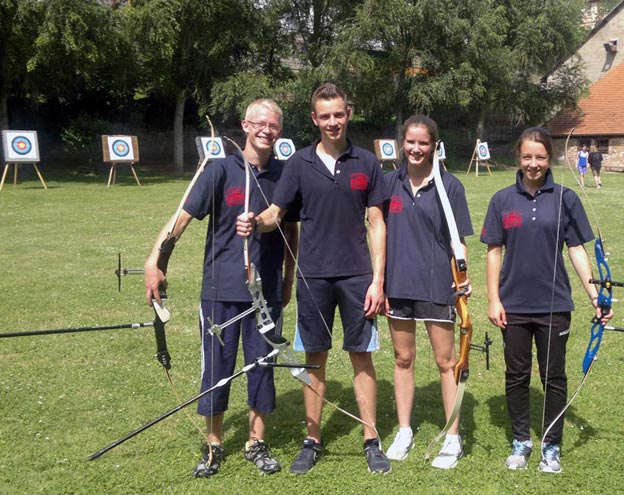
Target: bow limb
<point x="459" y="269"/>
<point x="604" y="298"/>
<point x="161" y="314"/>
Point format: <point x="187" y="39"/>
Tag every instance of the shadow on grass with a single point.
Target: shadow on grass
<point x="148" y="175"/>
<point x="499" y="417"/>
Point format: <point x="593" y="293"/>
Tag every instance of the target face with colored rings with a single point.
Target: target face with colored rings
<point x="285" y="149"/>
<point x="387" y="149"/>
<point x="213" y="148"/>
<point x="121" y="148"/>
<point x="483" y="151"/>
<point x="21" y="145"/>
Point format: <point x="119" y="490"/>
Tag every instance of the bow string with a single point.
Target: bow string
<point x="605" y="295"/>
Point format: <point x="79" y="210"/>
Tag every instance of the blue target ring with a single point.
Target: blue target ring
<point x="213" y="148"/>
<point x="387" y="149"/>
<point x="21" y="145"/>
<point x="120" y="148"/>
<point x="285" y="149"/>
<point x="483" y="152"/>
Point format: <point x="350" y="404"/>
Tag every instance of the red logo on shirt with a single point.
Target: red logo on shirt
<point x="512" y="219"/>
<point x="396" y="204"/>
<point x="359" y="181"/>
<point x="235" y="196"/>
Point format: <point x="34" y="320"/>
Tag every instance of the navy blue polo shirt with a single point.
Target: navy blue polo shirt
<point x="418" y="246"/>
<point x="332" y="208"/>
<point x="527" y="228"/>
<point x="220" y="193"/>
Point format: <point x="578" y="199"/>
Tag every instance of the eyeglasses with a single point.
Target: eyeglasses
<point x="264" y="125"/>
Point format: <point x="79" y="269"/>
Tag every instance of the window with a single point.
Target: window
<point x="602" y="145"/>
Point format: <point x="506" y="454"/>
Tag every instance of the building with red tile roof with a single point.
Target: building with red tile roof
<point x="598" y="119"/>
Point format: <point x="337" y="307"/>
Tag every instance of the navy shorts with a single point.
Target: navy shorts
<point x="219" y="361"/>
<point x="408" y="309"/>
<point x="321" y="296"/>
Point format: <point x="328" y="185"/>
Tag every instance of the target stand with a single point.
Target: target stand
<point x="20" y="147"/>
<point x="387" y="150"/>
<point x="481" y="153"/>
<point x="120" y="150"/>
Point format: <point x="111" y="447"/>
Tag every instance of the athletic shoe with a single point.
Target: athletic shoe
<point x="309" y="454"/>
<point x="402" y="444"/>
<point x="449" y="454"/>
<point x="550" y="462"/>
<point x="258" y="453"/>
<point x="520" y="453"/>
<point x="376" y="459"/>
<point x="212" y="457"/>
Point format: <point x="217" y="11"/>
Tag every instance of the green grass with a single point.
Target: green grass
<point x="65" y="396"/>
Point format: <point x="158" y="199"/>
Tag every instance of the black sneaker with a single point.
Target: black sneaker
<point x="310" y="453"/>
<point x="377" y="460"/>
<point x="258" y="453"/>
<point x="211" y="460"/>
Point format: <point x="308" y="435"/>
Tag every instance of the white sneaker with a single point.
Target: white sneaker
<point x="450" y="453"/>
<point x="520" y="453"/>
<point x="402" y="444"/>
<point x="550" y="462"/>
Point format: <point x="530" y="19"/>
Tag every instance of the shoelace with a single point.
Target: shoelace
<point x="550" y="453"/>
<point x="260" y="452"/>
<point x="519" y="448"/>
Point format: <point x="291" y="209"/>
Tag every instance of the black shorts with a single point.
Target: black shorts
<point x="409" y="309"/>
<point x="317" y="299"/>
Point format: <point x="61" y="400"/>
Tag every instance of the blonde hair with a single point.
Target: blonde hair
<point x="266" y="103"/>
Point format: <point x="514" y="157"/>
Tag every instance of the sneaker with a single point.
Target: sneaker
<point x="599" y="186"/>
<point x="309" y="454"/>
<point x="258" y="453"/>
<point x="212" y="457"/>
<point x="520" y="453"/>
<point x="402" y="444"/>
<point x="449" y="454"/>
<point x="376" y="459"/>
<point x="550" y="462"/>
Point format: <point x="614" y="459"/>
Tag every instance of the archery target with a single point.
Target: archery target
<point x="284" y="148"/>
<point x="386" y="149"/>
<point x="483" y="152"/>
<point x="209" y="147"/>
<point x="441" y="151"/>
<point x="20" y="146"/>
<point x="120" y="149"/>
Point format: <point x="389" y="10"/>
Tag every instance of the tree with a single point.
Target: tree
<point x="477" y="56"/>
<point x="19" y="21"/>
<point x="184" y="46"/>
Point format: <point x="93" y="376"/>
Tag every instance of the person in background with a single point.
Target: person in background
<point x="595" y="163"/>
<point x="581" y="163"/>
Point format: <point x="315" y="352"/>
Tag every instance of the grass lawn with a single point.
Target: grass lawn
<point x="65" y="396"/>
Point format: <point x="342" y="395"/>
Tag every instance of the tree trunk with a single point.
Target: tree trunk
<point x="178" y="133"/>
<point x="400" y="104"/>
<point x="4" y="112"/>
<point x="481" y="124"/>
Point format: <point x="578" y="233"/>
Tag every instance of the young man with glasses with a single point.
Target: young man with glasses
<point x="220" y="194"/>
